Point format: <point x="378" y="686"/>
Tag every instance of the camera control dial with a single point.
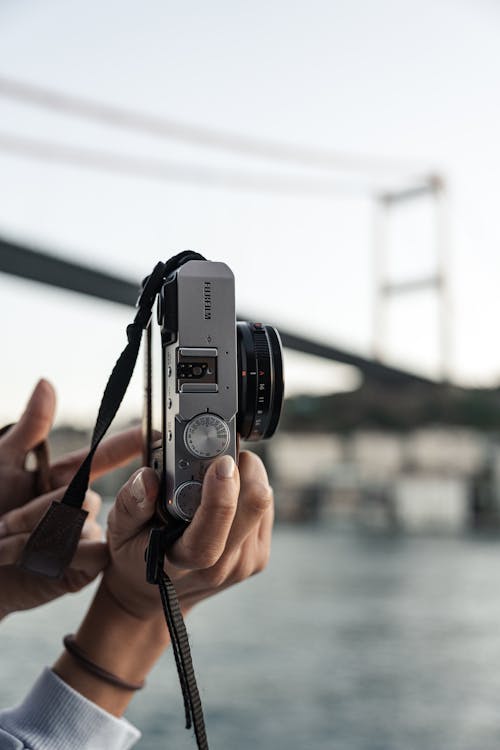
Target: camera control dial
<point x="187" y="497"/>
<point x="206" y="436"/>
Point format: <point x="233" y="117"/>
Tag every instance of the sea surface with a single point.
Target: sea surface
<point x="348" y="641"/>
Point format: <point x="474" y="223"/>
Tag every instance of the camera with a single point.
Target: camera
<point x="209" y="380"/>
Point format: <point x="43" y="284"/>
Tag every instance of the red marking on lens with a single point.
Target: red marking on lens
<point x="243" y="373"/>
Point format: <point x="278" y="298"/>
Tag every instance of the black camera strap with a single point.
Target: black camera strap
<point x="159" y="541"/>
<point x="52" y="544"/>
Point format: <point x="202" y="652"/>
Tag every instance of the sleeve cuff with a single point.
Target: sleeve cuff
<point x="53" y="716"/>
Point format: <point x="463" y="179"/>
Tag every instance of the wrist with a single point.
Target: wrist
<point x="118" y="642"/>
<point x="139" y="599"/>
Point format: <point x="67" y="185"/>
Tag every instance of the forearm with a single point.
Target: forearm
<point x="120" y="643"/>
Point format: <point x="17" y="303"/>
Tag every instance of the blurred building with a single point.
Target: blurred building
<point x="433" y="478"/>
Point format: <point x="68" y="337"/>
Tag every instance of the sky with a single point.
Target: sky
<point x="411" y="81"/>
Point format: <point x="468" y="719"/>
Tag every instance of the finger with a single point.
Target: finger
<point x="90" y="557"/>
<point x="11" y="548"/>
<point x="18" y="485"/>
<point x="92" y="531"/>
<point x="117" y="451"/>
<point x="249" y="557"/>
<point x="92" y="504"/>
<point x="204" y="540"/>
<point x="255" y="499"/>
<point x="266" y="528"/>
<point x="264" y="537"/>
<point x="25" y="518"/>
<point x="34" y="425"/>
<point x="113" y="452"/>
<point x="134" y="506"/>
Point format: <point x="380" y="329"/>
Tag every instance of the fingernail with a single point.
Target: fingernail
<point x="139" y="489"/>
<point x="3" y="529"/>
<point x="225" y="467"/>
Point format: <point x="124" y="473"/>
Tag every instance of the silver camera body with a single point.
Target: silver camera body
<point x="197" y="318"/>
<point x="220" y="380"/>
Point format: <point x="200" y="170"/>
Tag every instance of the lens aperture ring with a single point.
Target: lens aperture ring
<point x="264" y="384"/>
<point x="258" y="388"/>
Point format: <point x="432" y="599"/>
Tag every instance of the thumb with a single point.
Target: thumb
<point x="34" y="425"/>
<point x="134" y="507"/>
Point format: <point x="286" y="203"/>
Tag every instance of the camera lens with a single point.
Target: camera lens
<point x="260" y="380"/>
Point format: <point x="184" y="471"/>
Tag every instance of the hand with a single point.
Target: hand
<point x="20" y="513"/>
<point x="228" y="540"/>
<point x="17" y="484"/>
<point x="24" y="590"/>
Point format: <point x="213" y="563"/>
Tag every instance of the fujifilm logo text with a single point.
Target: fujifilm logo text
<point x="207" y="299"/>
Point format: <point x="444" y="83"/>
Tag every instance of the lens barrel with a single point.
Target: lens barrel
<point x="260" y="380"/>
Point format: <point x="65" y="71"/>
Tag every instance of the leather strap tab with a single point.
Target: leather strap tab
<point x="53" y="543"/>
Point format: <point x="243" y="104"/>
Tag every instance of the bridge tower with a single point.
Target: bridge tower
<point x="386" y="205"/>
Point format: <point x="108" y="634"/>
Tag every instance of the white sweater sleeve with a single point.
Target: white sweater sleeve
<point x="53" y="716"/>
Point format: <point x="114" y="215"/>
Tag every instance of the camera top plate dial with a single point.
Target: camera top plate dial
<point x="206" y="436"/>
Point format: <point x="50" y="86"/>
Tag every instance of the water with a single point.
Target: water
<point x="350" y="642"/>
